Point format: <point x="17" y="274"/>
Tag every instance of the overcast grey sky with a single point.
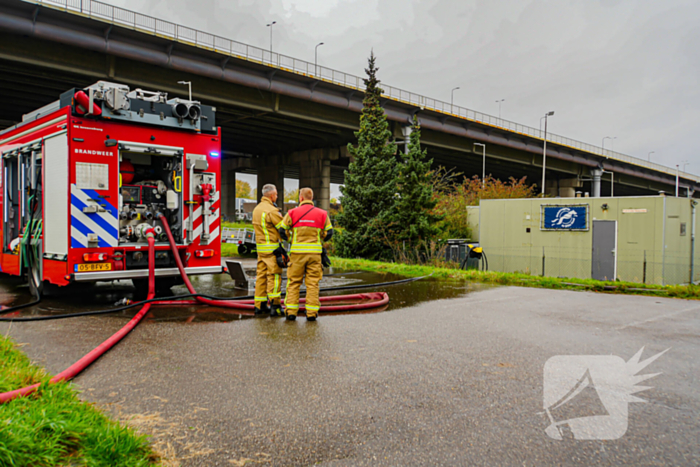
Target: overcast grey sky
<point x="622" y="68"/>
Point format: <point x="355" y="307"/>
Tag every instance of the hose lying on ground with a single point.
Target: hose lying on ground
<point x="87" y="360"/>
<point x="374" y="300"/>
<point x="175" y="300"/>
<point x="239" y="304"/>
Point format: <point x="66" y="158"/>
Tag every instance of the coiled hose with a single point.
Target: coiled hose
<point x="483" y="260"/>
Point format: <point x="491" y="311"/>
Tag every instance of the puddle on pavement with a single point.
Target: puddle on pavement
<point x="90" y="297"/>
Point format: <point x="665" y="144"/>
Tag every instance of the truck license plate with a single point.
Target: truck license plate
<point x="93" y="267"/>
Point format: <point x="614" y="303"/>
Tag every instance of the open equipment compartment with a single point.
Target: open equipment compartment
<point x="83" y="178"/>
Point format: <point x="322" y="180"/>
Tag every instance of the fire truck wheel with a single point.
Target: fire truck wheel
<point x="51" y="290"/>
<point x="243" y="249"/>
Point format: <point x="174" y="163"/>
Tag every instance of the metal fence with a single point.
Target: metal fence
<point x="642" y="267"/>
<point x="157" y="27"/>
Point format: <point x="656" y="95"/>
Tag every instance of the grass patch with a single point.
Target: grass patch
<point x="691" y="292"/>
<point x="237" y="225"/>
<point x="229" y="249"/>
<point x="53" y="427"/>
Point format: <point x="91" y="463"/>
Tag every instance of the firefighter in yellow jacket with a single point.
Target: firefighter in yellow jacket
<point x="308" y="227"/>
<point x="268" y="284"/>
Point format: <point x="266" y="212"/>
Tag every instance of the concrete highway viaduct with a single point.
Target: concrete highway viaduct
<point x="282" y="117"/>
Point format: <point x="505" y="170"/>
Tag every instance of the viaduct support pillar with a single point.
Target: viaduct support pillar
<point x="315" y="171"/>
<point x="271" y="170"/>
<point x="228" y="195"/>
<point x="229" y="167"/>
<point x="316" y="174"/>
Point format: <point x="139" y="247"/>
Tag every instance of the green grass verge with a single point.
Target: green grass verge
<point x="53" y="427"/>
<point x="491" y="277"/>
<point x="237" y="225"/>
<point x="229" y="249"/>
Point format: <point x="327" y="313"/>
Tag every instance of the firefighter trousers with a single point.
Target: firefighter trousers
<point x="268" y="281"/>
<point x="303" y="265"/>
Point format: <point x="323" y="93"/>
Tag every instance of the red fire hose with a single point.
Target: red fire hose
<point x="245" y="307"/>
<point x="367" y="301"/>
<point x="96" y="353"/>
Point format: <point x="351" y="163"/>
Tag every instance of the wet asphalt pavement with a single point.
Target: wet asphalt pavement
<point x="451" y="376"/>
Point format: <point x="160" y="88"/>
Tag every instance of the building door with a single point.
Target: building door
<point x="603" y="264"/>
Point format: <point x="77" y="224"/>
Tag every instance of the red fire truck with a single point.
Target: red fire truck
<point x="83" y="179"/>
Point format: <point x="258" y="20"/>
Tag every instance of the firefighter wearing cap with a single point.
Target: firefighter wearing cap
<point x="307" y="227"/>
<point x="268" y="283"/>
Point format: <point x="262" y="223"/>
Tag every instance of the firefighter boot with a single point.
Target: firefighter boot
<point x="276" y="311"/>
<point x="261" y="309"/>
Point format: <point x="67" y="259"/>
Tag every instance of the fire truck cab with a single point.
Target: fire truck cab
<point x="83" y="178"/>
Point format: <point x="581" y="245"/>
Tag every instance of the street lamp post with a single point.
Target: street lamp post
<point x="270" y="26"/>
<point x="499" y="107"/>
<point x="316" y="58"/>
<point x="452" y="99"/>
<point x="189" y="85"/>
<point x="483" y="170"/>
<point x="649" y="155"/>
<point x="603" y="143"/>
<point x="677" y="175"/>
<point x="544" y="151"/>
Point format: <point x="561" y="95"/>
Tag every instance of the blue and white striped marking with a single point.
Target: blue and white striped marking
<point x="104" y="224"/>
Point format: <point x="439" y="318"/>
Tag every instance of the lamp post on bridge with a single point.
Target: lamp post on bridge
<point x="649" y="155"/>
<point x="270" y="26"/>
<point x="544" y="151"/>
<point x="499" y="107"/>
<point x="452" y="99"/>
<point x="602" y="144"/>
<point x="316" y="58"/>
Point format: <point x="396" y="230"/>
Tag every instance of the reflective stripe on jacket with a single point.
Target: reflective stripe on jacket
<point x="310" y="225"/>
<point x="266" y="220"/>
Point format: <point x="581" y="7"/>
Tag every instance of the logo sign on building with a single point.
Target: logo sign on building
<point x="564" y="217"/>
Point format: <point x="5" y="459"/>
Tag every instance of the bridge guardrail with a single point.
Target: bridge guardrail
<point x="150" y="25"/>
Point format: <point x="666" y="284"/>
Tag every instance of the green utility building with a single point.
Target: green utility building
<point x="638" y="239"/>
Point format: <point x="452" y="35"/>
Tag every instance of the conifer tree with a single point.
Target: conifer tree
<point x="412" y="219"/>
<point x="370" y="181"/>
